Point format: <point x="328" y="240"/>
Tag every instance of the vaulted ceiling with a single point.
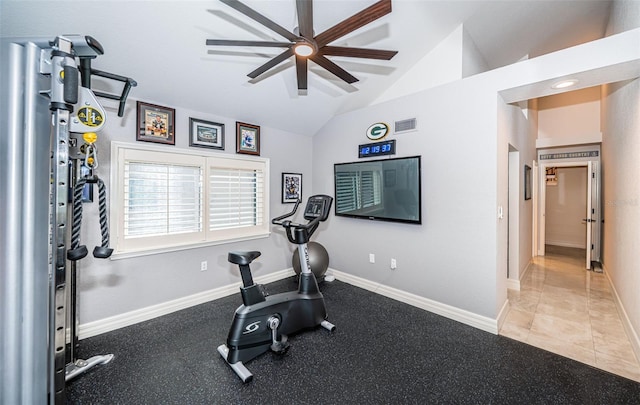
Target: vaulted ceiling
<point x="161" y="44"/>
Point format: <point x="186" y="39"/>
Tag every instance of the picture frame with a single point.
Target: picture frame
<point x="291" y="187"/>
<point x="206" y="134"/>
<point x="527" y="182"/>
<point x="155" y="123"/>
<point x="247" y="139"/>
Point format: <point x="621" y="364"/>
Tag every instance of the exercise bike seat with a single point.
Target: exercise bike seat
<point x="243" y="258"/>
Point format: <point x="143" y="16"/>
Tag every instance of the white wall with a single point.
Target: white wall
<point x="442" y="65"/>
<point x="566" y="206"/>
<point x="472" y="59"/>
<point x="455" y="57"/>
<point x="113" y="287"/>
<point x="621" y="177"/>
<point x="569" y="115"/>
<point x="516" y="131"/>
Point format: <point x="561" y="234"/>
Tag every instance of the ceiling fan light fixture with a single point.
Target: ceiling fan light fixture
<point x="304" y="49"/>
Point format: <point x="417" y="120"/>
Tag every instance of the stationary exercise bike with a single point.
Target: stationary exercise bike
<point x="263" y="322"/>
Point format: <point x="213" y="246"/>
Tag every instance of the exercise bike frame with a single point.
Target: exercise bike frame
<point x="263" y="322"/>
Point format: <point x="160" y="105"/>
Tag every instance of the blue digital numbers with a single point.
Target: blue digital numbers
<point x="377" y="149"/>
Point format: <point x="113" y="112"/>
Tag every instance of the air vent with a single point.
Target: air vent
<point x="406" y="125"/>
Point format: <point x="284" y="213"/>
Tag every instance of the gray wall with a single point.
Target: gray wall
<point x="451" y="257"/>
<point x="113" y="287"/>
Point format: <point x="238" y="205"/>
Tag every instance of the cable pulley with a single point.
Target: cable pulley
<point x="78" y="251"/>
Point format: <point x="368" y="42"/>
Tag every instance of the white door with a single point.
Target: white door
<point x="589" y="214"/>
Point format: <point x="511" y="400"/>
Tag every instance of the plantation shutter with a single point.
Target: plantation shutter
<point x="174" y="200"/>
<point x="161" y="199"/>
<point x="236" y="198"/>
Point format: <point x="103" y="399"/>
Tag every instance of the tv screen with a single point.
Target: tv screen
<point x="387" y="190"/>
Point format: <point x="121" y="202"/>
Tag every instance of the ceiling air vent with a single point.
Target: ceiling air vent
<point x="405" y="125"/>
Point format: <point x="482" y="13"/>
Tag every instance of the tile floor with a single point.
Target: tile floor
<point x="567" y="310"/>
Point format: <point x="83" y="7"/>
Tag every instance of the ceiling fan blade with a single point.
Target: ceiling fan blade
<point x="273" y="62"/>
<point x="357" y="52"/>
<point x="305" y="18"/>
<point x="254" y="15"/>
<point x="301" y="72"/>
<point x="231" y="42"/>
<point x="364" y="17"/>
<point x="333" y="68"/>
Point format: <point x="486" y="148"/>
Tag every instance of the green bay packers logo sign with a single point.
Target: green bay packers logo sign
<point x="377" y="131"/>
<point x="90" y="116"/>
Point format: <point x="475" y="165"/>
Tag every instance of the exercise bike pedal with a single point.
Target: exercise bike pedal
<point x="280" y="347"/>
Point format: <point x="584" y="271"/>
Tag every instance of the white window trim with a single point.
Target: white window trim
<point x="116" y="196"/>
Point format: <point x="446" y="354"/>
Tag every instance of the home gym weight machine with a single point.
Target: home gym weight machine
<point x="263" y="322"/>
<point x="89" y="116"/>
<point x="51" y="106"/>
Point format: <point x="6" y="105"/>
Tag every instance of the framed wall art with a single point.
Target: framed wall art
<point x="205" y="134"/>
<point x="527" y="182"/>
<point x="155" y="123"/>
<point x="291" y="187"/>
<point x="247" y="139"/>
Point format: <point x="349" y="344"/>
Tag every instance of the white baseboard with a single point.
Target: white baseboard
<point x="577" y="245"/>
<point x="457" y="314"/>
<point x="626" y="322"/>
<point x="503" y="313"/>
<point x="144" y="314"/>
<point x="513" y="284"/>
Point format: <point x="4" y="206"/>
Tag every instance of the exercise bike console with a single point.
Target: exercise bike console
<point x="263" y="322"/>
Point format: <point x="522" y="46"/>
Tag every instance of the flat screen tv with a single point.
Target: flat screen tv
<point x="386" y="190"/>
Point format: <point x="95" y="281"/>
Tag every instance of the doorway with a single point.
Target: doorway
<point x="569" y="209"/>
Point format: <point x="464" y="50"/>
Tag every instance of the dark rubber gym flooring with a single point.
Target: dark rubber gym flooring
<point x="383" y="352"/>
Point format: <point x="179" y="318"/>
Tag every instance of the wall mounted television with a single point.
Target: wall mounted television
<point x="385" y="190"/>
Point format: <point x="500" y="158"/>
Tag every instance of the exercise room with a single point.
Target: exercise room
<point x="319" y="202"/>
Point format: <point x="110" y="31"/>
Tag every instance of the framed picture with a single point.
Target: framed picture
<point x="156" y="123"/>
<point x="247" y="139"/>
<point x="527" y="182"/>
<point x="291" y="187"/>
<point x="205" y="134"/>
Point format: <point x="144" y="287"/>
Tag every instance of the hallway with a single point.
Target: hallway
<point x="569" y="311"/>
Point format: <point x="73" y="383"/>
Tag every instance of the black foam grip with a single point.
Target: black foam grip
<point x="70" y="84"/>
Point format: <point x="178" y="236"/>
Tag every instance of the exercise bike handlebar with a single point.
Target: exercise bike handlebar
<point x="278" y="220"/>
<point x="302" y="232"/>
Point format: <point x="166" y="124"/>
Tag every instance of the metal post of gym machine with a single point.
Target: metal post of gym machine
<point x="65" y="93"/>
<point x="39" y="114"/>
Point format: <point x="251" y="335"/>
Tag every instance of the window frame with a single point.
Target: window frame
<point x="121" y="151"/>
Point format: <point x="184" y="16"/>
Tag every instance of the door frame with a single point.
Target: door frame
<point x="593" y="201"/>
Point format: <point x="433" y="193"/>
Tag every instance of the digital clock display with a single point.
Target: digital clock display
<point x="377" y="149"/>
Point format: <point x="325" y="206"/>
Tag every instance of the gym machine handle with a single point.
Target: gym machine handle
<point x="88" y="71"/>
<point x="301" y="232"/>
<point x="289" y="224"/>
<point x="278" y="220"/>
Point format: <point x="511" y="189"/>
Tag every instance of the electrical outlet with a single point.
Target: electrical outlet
<point x="203" y="265"/>
<point x="393" y="264"/>
<point x="372" y="258"/>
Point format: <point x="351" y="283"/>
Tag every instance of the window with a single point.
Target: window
<point x="163" y="200"/>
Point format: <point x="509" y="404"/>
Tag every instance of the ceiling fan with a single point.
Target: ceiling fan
<point x="305" y="46"/>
